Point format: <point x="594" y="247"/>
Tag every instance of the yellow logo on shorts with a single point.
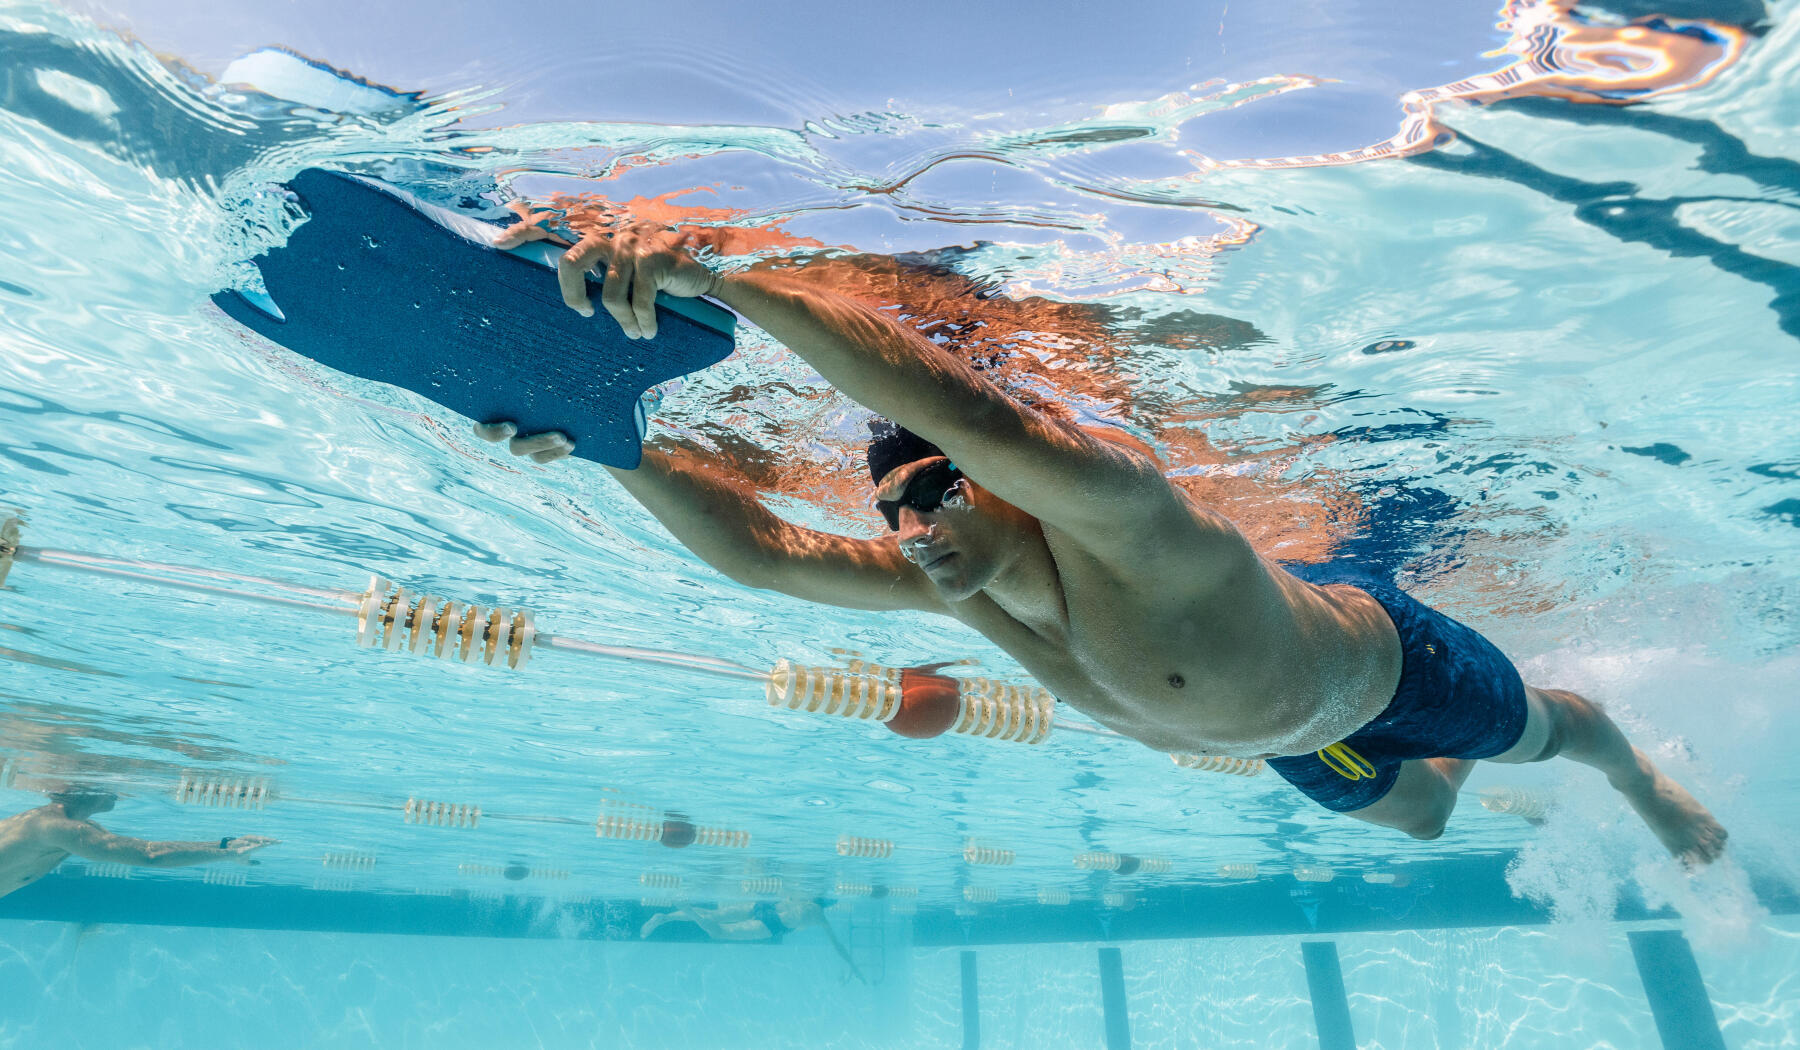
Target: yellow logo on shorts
<point x="1346" y="763"/>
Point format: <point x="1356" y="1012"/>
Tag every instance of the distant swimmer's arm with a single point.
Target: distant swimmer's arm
<point x="713" y="513"/>
<point x="1053" y="470"/>
<point x="90" y="841"/>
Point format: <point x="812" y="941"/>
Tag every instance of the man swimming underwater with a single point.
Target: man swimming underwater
<point x="1069" y="549"/>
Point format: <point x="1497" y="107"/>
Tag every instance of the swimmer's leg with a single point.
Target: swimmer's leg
<point x="717" y="923"/>
<point x="1422" y="798"/>
<point x="657" y="921"/>
<point x="1562" y="723"/>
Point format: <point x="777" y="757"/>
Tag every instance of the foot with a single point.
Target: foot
<point x="1679" y="820"/>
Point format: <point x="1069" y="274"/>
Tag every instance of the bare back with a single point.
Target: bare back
<point x="28" y="849"/>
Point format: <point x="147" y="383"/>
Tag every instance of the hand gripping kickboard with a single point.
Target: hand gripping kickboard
<point x="386" y="287"/>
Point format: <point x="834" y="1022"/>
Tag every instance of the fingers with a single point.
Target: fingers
<point x="519" y="233"/>
<point x="529" y="227"/>
<point x="242" y="844"/>
<point x="613" y="295"/>
<point x="496" y="431"/>
<point x="637" y="268"/>
<point x="572" y="269"/>
<point x="547" y="447"/>
<point x="643" y="303"/>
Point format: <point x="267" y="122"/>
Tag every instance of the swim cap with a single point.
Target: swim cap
<point x="892" y="445"/>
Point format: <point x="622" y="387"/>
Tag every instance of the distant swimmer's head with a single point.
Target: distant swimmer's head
<point x="81" y="803"/>
<point x="957" y="532"/>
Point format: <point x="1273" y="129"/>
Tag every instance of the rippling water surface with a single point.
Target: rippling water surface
<point x="1504" y="302"/>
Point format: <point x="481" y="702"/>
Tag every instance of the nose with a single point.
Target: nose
<point x="913" y="526"/>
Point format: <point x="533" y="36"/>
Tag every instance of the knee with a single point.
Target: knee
<point x="1423" y="820"/>
<point x="1428" y="826"/>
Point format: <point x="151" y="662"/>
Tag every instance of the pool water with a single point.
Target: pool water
<point x="1502" y="303"/>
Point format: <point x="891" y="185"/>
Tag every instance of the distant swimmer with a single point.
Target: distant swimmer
<point x="34" y="842"/>
<point x="1068" y="548"/>
<point x="762" y="921"/>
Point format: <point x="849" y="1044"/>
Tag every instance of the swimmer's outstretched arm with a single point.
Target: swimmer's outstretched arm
<point x="714" y="513"/>
<point x="90" y="841"/>
<point x="1052" y="470"/>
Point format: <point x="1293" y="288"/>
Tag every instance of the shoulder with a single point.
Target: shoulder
<point x="1160" y="539"/>
<point x="44" y="828"/>
<point x="38" y="819"/>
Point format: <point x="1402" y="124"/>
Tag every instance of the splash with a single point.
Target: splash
<point x="1574" y="866"/>
<point x="1719" y="910"/>
<point x="1593" y="851"/>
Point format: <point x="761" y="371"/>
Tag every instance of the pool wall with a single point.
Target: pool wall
<point x="152" y="986"/>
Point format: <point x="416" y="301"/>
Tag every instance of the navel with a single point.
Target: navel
<point x="1176" y="681"/>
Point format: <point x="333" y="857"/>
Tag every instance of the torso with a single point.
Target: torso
<point x="1204" y="647"/>
<point x="24" y="858"/>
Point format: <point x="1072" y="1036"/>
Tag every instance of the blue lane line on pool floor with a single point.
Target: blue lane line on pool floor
<point x="1678" y="1000"/>
<point x="971" y="999"/>
<point x="1112" y="997"/>
<point x="1331" y="1009"/>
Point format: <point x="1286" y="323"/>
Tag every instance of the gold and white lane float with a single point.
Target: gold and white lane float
<point x="912" y="702"/>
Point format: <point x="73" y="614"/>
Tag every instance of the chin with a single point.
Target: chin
<point x="957" y="587"/>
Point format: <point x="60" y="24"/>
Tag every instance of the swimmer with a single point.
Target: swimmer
<point x="1067" y="548"/>
<point x="9" y="545"/>
<point x="761" y="921"/>
<point x="34" y="842"/>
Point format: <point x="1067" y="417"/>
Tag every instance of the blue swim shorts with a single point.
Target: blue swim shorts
<point x="1459" y="697"/>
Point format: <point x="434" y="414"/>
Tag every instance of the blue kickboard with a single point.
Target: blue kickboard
<point x="385" y="287"/>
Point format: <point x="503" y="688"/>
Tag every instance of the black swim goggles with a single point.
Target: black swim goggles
<point x="924" y="492"/>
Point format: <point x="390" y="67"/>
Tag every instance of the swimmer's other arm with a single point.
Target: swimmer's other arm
<point x="715" y="514"/>
<point x="92" y="842"/>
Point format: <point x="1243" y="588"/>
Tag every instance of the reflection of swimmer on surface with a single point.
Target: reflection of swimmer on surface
<point x="34" y="842"/>
<point x="1069" y="548"/>
<point x="761" y="921"/>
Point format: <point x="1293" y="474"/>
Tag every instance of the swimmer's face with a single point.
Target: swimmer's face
<point x="958" y="533"/>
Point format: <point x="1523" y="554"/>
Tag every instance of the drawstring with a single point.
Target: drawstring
<point x="1345" y="762"/>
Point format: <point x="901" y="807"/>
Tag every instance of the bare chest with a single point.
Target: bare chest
<point x="1163" y="668"/>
